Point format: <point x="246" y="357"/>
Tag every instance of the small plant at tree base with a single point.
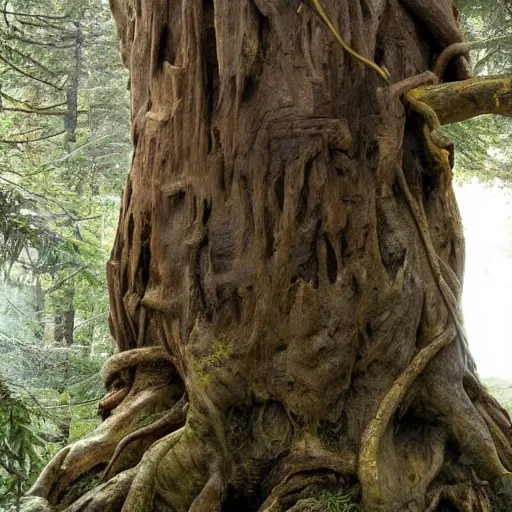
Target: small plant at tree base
<point x="340" y="500"/>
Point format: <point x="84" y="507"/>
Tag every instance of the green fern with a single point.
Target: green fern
<point x="340" y="500"/>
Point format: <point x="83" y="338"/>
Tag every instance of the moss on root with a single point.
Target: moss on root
<point x="81" y="486"/>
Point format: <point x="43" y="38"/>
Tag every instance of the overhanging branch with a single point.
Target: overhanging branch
<point x="459" y="101"/>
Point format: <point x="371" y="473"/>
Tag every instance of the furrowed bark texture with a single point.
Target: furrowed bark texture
<point x="288" y="258"/>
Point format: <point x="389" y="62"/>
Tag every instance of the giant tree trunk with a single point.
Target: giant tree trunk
<point x="285" y="280"/>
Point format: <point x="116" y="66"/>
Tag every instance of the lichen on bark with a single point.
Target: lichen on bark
<point x="288" y="262"/>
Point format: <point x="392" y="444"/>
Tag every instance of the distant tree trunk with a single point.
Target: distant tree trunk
<point x="64" y="314"/>
<point x="39" y="308"/>
<point x="288" y="258"/>
<point x="71" y="117"/>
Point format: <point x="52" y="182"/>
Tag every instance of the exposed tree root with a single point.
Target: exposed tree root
<point x="369" y="452"/>
<point x="96" y="450"/>
<point x="107" y="497"/>
<point x="285" y="496"/>
<point x="35" y="504"/>
<point x="400" y="89"/>
<point x="308" y="464"/>
<point x="447" y="399"/>
<point x="173" y="418"/>
<point x="499" y="437"/>
<point x="50" y="473"/>
<point x="440" y="147"/>
<point x="130" y="359"/>
<point x="447" y="55"/>
<point x="140" y="495"/>
<point x="463" y="496"/>
<point x="210" y="498"/>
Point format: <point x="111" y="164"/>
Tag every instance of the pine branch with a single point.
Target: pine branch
<point x="40" y="196"/>
<point x="80" y="148"/>
<point x="33" y="15"/>
<point x="28" y="75"/>
<point x="29" y="106"/>
<point x="508" y="6"/>
<point x="27" y="132"/>
<point x="63" y="281"/>
<point x="22" y="313"/>
<point x="95" y="317"/>
<point x="28" y="141"/>
<point x="38" y="25"/>
<point x="74" y="404"/>
<point x="12" y="471"/>
<point x="5" y="13"/>
<point x="29" y="58"/>
<point x="40" y="112"/>
<point x="479" y="65"/>
<point x="39" y="43"/>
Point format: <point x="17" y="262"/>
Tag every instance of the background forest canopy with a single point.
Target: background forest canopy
<point x="64" y="155"/>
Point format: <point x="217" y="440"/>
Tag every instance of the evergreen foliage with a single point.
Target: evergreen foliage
<point x="483" y="144"/>
<point x="64" y="149"/>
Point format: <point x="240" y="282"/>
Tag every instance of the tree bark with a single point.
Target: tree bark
<point x="288" y="262"/>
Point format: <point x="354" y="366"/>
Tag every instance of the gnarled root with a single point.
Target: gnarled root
<point x="129" y="405"/>
<point x="182" y="471"/>
<point x="111" y="401"/>
<point x="286" y="496"/>
<point x="463" y="496"/>
<point x="451" y="52"/>
<point x="107" y="497"/>
<point x="140" y="496"/>
<point x="171" y="419"/>
<point x="210" y="498"/>
<point x="499" y="425"/>
<point x="95" y="450"/>
<point x="369" y="471"/>
<point x="308" y="464"/>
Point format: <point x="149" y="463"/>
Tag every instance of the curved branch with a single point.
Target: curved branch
<point x="131" y="358"/>
<point x="27" y="40"/>
<point x="460" y="49"/>
<point x="459" y="101"/>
